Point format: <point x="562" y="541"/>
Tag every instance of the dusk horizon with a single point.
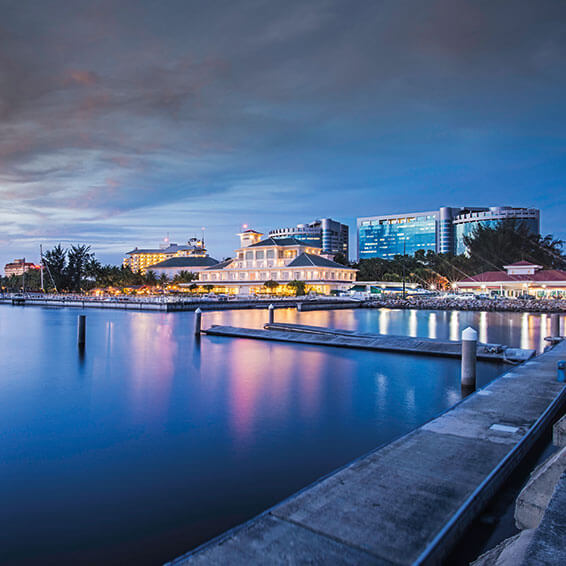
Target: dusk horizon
<point x="121" y="125"/>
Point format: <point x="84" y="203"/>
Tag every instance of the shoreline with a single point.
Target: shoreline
<point x="305" y="303"/>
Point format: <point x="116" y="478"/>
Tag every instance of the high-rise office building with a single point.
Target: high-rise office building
<point x="328" y="234"/>
<point x="441" y="231"/>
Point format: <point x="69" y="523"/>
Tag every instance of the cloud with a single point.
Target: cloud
<point x="114" y="111"/>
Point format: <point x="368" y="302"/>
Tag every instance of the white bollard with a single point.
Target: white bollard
<point x="271" y="310"/>
<point x="81" y="331"/>
<point x="554" y="326"/>
<point x="198" y="321"/>
<point x="469" y="355"/>
<point x="299" y="306"/>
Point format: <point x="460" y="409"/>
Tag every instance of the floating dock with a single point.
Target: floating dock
<point x="315" y="335"/>
<point x="411" y="500"/>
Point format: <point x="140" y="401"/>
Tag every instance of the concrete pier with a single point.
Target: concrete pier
<point x="409" y="501"/>
<point x="315" y="335"/>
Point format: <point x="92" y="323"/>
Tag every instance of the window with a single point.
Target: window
<point x="270" y="254"/>
<point x="259" y="254"/>
<point x="249" y="255"/>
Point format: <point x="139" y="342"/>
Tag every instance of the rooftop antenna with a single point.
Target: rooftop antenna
<point x="203" y="229"/>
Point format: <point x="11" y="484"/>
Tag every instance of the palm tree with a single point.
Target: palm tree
<point x="163" y="279"/>
<point x="150" y="277"/>
<point x="297" y="286"/>
<point x="271" y="285"/>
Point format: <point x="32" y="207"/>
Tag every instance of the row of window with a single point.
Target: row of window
<point x="278" y="275"/>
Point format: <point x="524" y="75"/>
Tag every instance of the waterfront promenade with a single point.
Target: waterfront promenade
<point x="407" y="502"/>
<point x="170" y="303"/>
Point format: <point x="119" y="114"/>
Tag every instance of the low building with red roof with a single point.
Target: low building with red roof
<point x="517" y="279"/>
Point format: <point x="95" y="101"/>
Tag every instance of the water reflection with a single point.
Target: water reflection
<point x="204" y="433"/>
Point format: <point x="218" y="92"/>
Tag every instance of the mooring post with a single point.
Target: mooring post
<point x="81" y="331"/>
<point x="554" y="325"/>
<point x="299" y="306"/>
<point x="469" y="355"/>
<point x="198" y="321"/>
<point x="271" y="310"/>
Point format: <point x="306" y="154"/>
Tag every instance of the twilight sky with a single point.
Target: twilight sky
<point x="123" y="121"/>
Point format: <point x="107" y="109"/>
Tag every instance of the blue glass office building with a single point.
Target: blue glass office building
<point x="441" y="231"/>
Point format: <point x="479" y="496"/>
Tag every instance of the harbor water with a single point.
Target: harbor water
<point x="151" y="441"/>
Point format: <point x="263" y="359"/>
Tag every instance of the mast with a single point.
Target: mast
<point x="41" y="267"/>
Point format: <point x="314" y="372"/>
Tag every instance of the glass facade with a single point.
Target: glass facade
<point x="387" y="237"/>
<point x="441" y="231"/>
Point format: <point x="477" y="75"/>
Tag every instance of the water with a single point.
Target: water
<point x="153" y="442"/>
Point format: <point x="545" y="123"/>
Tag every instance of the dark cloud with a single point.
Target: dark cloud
<point x="114" y="110"/>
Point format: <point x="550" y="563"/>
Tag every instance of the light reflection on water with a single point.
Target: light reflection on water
<point x="155" y="441"/>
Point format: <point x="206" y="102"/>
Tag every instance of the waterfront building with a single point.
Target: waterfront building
<point x="518" y="279"/>
<point x="328" y="234"/>
<point x="281" y="260"/>
<point x="174" y="265"/>
<point x="440" y="231"/>
<point x="142" y="259"/>
<point x="19" y="267"/>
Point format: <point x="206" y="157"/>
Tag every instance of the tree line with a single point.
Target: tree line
<point x="77" y="269"/>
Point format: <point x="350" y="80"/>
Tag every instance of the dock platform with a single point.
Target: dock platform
<point x="320" y="336"/>
<point x="407" y="502"/>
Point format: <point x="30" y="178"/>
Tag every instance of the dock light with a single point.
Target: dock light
<point x="432" y="287"/>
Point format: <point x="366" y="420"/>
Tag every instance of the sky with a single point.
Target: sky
<point x="122" y="122"/>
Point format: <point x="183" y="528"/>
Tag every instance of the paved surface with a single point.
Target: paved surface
<point x="412" y="496"/>
<point x="352" y="339"/>
<point x="548" y="545"/>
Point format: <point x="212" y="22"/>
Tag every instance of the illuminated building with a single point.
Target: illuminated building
<point x="276" y="259"/>
<point x="326" y="233"/>
<point x="142" y="259"/>
<point x="440" y="231"/>
<point x="518" y="279"/>
<point x="176" y="264"/>
<point x="19" y="267"/>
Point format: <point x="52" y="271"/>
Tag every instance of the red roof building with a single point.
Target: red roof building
<point x="520" y="278"/>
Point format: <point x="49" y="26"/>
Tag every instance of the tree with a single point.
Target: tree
<point x="55" y="261"/>
<point x="490" y="248"/>
<point x="271" y="285"/>
<point x="185" y="277"/>
<point x="163" y="279"/>
<point x="298" y="287"/>
<point x="78" y="260"/>
<point x="150" y="277"/>
<point x="341" y="258"/>
<point x="208" y="288"/>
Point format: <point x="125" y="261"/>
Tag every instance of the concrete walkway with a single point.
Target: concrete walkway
<point x="379" y="342"/>
<point x="408" y="502"/>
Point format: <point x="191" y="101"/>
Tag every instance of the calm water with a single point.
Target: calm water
<point x="154" y="442"/>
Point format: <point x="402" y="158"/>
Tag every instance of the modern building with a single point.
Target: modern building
<point x="440" y="231"/>
<point x="175" y="265"/>
<point x="19" y="267"/>
<point x="518" y="279"/>
<point x="141" y="259"/>
<point x="276" y="259"/>
<point x="328" y="234"/>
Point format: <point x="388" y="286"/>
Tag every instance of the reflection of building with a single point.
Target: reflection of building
<point x="521" y="278"/>
<point x="276" y="259"/>
<point x="327" y="234"/>
<point x="440" y="231"/>
<point x="175" y="265"/>
<point x="142" y="259"/>
<point x="19" y="267"/>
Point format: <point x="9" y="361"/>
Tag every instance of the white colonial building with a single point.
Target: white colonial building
<point x="276" y="259"/>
